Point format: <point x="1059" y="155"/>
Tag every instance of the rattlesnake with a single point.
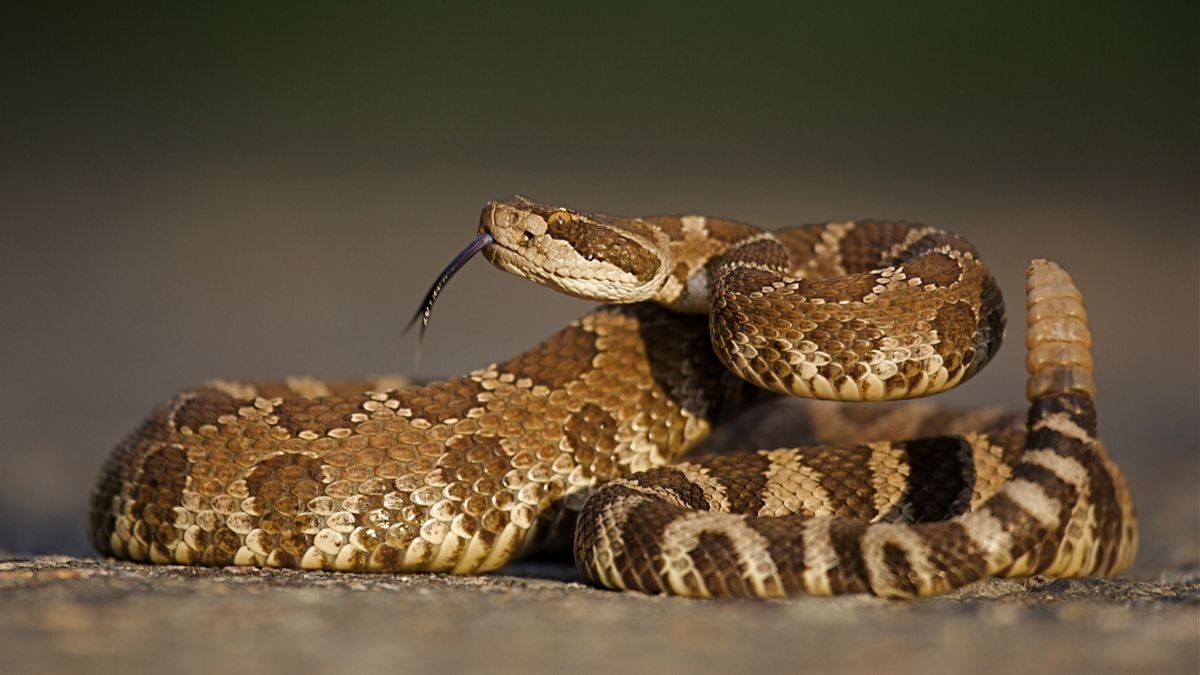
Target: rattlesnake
<point x="467" y="474"/>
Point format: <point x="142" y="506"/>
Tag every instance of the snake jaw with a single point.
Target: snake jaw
<point x="587" y="284"/>
<point x="538" y="242"/>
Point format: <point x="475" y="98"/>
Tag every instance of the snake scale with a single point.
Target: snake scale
<point x="580" y="434"/>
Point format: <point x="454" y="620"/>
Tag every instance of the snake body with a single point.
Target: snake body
<point x="583" y="430"/>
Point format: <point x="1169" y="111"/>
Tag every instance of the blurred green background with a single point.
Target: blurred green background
<point x="189" y="191"/>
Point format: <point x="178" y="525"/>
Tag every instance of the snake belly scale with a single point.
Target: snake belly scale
<point x="579" y="437"/>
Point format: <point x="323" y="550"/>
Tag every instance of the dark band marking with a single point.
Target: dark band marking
<point x="689" y="494"/>
<point x="954" y="554"/>
<point x="850" y="574"/>
<point x="899" y="568"/>
<point x="562" y="359"/>
<point x="605" y="245"/>
<point x="929" y="243"/>
<point x="860" y="248"/>
<point x="439" y="401"/>
<point x="785" y="546"/>
<point x="854" y="287"/>
<point x="159" y="488"/>
<point x="993" y="320"/>
<point x="744" y="475"/>
<point x="941" y="479"/>
<point x="800" y="242"/>
<point x="955" y="326"/>
<point x="591" y="432"/>
<point x="847" y="478"/>
<point x="641" y="548"/>
<point x="716" y="560"/>
<point x="317" y="415"/>
<point x="205" y="409"/>
<point x="935" y="268"/>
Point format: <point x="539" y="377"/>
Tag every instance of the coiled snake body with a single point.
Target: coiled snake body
<point x="466" y="474"/>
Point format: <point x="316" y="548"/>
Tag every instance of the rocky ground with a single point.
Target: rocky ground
<point x="64" y="614"/>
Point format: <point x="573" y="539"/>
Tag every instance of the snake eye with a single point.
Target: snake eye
<point x="559" y="217"/>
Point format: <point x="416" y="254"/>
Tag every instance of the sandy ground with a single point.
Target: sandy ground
<point x="87" y="616"/>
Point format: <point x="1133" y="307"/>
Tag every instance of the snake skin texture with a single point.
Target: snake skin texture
<point x="578" y="438"/>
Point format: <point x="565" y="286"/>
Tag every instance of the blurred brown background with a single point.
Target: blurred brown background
<point x="212" y="190"/>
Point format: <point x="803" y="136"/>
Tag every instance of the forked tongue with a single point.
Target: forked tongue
<point x="426" y="309"/>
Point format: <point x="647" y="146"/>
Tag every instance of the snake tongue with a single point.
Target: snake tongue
<point x="426" y="308"/>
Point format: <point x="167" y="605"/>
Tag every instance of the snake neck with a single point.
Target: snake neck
<point x="697" y="248"/>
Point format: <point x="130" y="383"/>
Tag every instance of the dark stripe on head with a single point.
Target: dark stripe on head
<point x="606" y="245"/>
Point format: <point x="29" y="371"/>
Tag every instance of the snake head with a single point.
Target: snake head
<point x="593" y="256"/>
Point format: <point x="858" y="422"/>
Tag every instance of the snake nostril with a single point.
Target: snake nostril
<point x="528" y="235"/>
